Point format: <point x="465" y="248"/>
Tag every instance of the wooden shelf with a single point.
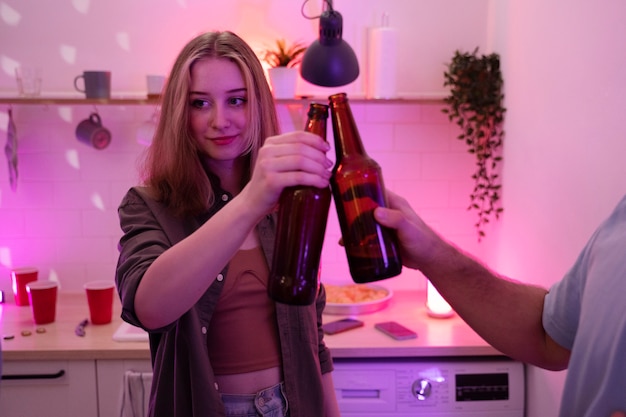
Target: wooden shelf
<point x="425" y="99"/>
<point x="77" y="100"/>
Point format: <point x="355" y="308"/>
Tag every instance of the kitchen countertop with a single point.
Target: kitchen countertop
<point x="436" y="337"/>
<point x="59" y="342"/>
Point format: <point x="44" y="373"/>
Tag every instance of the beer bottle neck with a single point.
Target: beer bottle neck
<point x="317" y="126"/>
<point x="316" y="122"/>
<point x="347" y="139"/>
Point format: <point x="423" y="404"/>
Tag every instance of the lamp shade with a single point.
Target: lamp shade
<point x="330" y="61"/>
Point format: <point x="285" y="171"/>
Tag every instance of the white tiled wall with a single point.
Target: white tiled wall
<point x="63" y="219"/>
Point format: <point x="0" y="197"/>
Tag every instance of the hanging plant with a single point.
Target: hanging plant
<point x="475" y="105"/>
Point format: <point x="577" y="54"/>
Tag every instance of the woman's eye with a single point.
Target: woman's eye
<point x="199" y="104"/>
<point x="237" y="101"/>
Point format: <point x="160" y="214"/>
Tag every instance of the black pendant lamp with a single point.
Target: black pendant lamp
<point x="330" y="61"/>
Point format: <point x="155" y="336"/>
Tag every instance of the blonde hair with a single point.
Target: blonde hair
<point x="172" y="167"/>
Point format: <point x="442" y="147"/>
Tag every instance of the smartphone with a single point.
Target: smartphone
<point x="395" y="330"/>
<point x="338" y="326"/>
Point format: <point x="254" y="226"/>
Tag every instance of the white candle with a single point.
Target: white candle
<point x="435" y="303"/>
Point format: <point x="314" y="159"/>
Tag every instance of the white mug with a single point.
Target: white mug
<point x="155" y="84"/>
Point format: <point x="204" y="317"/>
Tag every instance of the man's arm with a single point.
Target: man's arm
<point x="506" y="313"/>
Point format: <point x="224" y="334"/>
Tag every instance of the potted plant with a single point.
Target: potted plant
<point x="283" y="74"/>
<point x="475" y="104"/>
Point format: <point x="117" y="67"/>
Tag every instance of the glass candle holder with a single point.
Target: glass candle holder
<point x="436" y="306"/>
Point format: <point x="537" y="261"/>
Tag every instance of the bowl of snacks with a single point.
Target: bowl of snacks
<point x="356" y="298"/>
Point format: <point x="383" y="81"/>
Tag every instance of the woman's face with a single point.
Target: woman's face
<point x="218" y="98"/>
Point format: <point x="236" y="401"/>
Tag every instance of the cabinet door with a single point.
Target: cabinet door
<point x="48" y="388"/>
<point x="111" y="393"/>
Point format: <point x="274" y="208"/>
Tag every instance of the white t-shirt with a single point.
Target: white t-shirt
<point x="586" y="313"/>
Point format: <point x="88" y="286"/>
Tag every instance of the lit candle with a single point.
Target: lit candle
<point x="435" y="303"/>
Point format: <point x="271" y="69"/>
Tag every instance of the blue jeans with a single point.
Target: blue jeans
<point x="270" y="402"/>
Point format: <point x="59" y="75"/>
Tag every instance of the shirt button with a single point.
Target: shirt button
<point x="224" y="197"/>
<point x="203" y="330"/>
<point x="220" y="277"/>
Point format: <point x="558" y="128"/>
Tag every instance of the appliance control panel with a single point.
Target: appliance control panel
<point x="408" y="387"/>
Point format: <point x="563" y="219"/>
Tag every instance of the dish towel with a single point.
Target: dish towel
<point x="136" y="394"/>
<point x="10" y="150"/>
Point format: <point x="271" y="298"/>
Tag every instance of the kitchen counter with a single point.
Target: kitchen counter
<point x="59" y="342"/>
<point x="436" y="337"/>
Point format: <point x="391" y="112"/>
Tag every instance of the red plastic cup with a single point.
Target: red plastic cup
<point x="100" y="300"/>
<point x="43" y="300"/>
<point x="19" y="278"/>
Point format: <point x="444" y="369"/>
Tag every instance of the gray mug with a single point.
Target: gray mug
<point x="91" y="132"/>
<point x="97" y="84"/>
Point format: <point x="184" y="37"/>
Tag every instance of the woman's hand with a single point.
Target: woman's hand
<point x="287" y="160"/>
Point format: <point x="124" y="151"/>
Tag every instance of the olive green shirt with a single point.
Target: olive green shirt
<point x="184" y="384"/>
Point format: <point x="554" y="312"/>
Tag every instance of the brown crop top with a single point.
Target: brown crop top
<point x="243" y="334"/>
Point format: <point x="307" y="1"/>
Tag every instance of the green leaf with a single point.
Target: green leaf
<point x="284" y="56"/>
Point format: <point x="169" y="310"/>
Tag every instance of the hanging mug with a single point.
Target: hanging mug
<point x="91" y="132"/>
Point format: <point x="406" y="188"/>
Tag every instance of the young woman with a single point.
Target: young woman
<point x="198" y="238"/>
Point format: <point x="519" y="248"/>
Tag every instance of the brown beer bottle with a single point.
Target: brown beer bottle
<point x="302" y="216"/>
<point x="357" y="187"/>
